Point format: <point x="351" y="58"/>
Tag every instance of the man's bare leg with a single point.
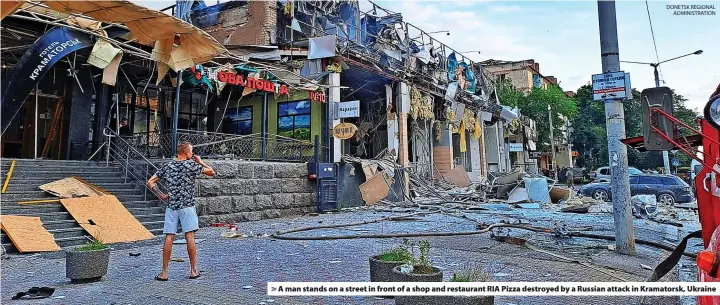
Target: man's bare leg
<point x="192" y="253"/>
<point x="167" y="252"/>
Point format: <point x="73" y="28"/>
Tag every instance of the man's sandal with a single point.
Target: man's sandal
<point x="158" y="278"/>
<point x="192" y="277"/>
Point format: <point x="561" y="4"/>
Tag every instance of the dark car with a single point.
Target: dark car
<point x="667" y="189"/>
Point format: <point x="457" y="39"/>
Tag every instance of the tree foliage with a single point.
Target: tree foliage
<point x="589" y="137"/>
<point x="535" y="106"/>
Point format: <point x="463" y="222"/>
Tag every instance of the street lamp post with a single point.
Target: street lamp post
<point x="552" y="144"/>
<point x="666" y="156"/>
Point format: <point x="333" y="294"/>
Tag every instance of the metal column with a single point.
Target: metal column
<point x="176" y="114"/>
<point x="264" y="126"/>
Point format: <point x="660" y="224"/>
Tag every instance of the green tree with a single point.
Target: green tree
<point x="589" y="136"/>
<point x="535" y="106"/>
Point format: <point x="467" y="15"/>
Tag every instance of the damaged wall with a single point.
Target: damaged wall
<point x="249" y="191"/>
<point x="239" y="22"/>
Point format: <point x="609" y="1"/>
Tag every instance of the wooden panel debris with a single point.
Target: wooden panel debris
<point x="376" y="188"/>
<point x="106" y="219"/>
<point x="458" y="176"/>
<point x="28" y="234"/>
<point x="70" y="188"/>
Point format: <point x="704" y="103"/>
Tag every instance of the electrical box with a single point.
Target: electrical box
<point x="324" y="170"/>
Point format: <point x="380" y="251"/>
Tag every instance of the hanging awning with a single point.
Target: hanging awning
<point x="147" y="26"/>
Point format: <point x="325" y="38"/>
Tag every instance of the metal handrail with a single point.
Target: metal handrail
<point x="115" y="152"/>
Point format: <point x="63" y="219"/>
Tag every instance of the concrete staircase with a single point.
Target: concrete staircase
<point x="28" y="175"/>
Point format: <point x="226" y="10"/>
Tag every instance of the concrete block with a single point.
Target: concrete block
<point x="264" y="171"/>
<point x="303" y="200"/>
<point x="239" y="217"/>
<point x="223" y="169"/>
<point x="244" y="203"/>
<point x="271" y="213"/>
<point x="269" y="186"/>
<point x="201" y="205"/>
<point x="220" y="205"/>
<point x="291" y="170"/>
<point x="296" y="185"/>
<point x="207" y="220"/>
<point x="282" y="201"/>
<point x="263" y="202"/>
<point x="208" y="188"/>
<point x="246" y="170"/>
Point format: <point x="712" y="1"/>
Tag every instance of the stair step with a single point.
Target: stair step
<point x="110" y="187"/>
<point x="154" y="225"/>
<point x="122" y="198"/>
<point x="64" y="169"/>
<point x="37" y="181"/>
<point x="62" y="175"/>
<point x="20" y="196"/>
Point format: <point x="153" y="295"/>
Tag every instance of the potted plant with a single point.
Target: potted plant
<point x="471" y="275"/>
<point x="381" y="265"/>
<point x="87" y="263"/>
<point x="418" y="269"/>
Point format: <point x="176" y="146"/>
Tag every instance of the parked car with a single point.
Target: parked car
<point x="668" y="189"/>
<point x="603" y="173"/>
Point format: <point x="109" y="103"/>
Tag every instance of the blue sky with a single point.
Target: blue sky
<point x="563" y="38"/>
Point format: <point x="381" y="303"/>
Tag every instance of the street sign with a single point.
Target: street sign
<point x="535" y="154"/>
<point x="609" y="86"/>
<point x="349" y="109"/>
<point x="628" y="87"/>
<point x="344" y="131"/>
<point x="515" y="147"/>
<point x="675" y="162"/>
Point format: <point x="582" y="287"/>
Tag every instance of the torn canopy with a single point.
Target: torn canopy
<point x="147" y="26"/>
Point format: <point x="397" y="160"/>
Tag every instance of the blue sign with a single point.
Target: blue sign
<point x="47" y="50"/>
<point x="675" y="162"/>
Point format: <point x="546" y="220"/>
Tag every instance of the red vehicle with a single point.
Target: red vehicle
<point x="662" y="127"/>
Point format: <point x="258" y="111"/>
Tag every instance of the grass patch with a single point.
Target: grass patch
<point x="92" y="246"/>
<point x="399" y="254"/>
<point x="473" y="275"/>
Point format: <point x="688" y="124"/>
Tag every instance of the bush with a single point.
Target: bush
<point x="472" y="275"/>
<point x="398" y="254"/>
<point x="92" y="246"/>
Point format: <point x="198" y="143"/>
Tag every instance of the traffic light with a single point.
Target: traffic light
<point x="662" y="99"/>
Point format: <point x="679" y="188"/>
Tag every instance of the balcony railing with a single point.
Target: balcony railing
<point x="158" y="145"/>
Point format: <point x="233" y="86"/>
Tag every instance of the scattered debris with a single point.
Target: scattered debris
<point x="177" y="259"/>
<point x="458" y="176"/>
<point x="334" y="262"/>
<point x="28" y="234"/>
<point x="501" y="274"/>
<point x="34" y="293"/>
<point x="134" y="254"/>
<point x="231" y="234"/>
<point x="247" y="287"/>
<point x="70" y="188"/>
<point x="611" y="247"/>
<point x="646" y="267"/>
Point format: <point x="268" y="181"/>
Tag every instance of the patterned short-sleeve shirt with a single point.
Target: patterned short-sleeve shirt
<point x="179" y="178"/>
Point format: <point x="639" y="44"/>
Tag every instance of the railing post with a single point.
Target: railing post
<point x="145" y="188"/>
<point x="107" y="153"/>
<point x="126" y="164"/>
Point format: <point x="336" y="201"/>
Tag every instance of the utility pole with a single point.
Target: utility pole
<point x="552" y="144"/>
<point x="615" y="121"/>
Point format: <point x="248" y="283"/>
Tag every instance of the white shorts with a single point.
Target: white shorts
<point x="187" y="218"/>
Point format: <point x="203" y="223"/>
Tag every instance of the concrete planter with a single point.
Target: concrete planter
<point x="86" y="266"/>
<point x="382" y="271"/>
<point x="445" y="300"/>
<point x="436" y="276"/>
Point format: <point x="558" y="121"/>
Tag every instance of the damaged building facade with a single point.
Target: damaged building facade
<point x="289" y="77"/>
<point x="409" y="98"/>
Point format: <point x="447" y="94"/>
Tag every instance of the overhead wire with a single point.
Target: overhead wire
<point x="652" y="32"/>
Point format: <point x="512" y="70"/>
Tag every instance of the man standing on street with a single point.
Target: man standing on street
<point x="569" y="176"/>
<point x="179" y="177"/>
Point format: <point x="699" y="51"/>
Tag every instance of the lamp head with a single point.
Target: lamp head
<point x="698" y="52"/>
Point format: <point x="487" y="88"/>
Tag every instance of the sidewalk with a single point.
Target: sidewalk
<point x="235" y="271"/>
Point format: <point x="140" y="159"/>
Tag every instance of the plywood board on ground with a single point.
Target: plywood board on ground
<point x="458" y="176"/>
<point x="69" y="188"/>
<point x="376" y="189"/>
<point x="106" y="219"/>
<point x="28" y="234"/>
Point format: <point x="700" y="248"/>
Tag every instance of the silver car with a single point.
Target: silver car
<point x="603" y="173"/>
